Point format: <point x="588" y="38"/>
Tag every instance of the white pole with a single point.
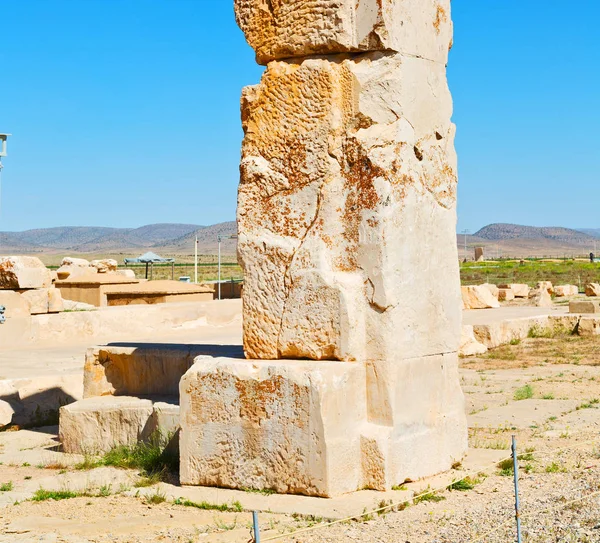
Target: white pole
<point x="196" y="260"/>
<point x="219" y="238"/>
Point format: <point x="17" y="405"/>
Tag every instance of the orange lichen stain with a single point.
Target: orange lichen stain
<point x="359" y="174"/>
<point x="440" y="17"/>
<point x="256" y="398"/>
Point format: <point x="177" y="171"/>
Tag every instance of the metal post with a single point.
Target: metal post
<point x="256" y="527"/>
<point x="516" y="475"/>
<point x="196" y="261"/>
<point x="219" y="240"/>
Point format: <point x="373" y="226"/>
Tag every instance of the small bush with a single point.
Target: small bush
<point x="549" y="396"/>
<point x="588" y="405"/>
<point x="428" y="495"/>
<point x="465" y="484"/>
<point x="150" y="480"/>
<point x="42" y="495"/>
<point x="501" y="353"/>
<point x="152" y="459"/>
<point x="524" y="393"/>
<point x="235" y="507"/>
<point x="6" y="487"/>
<point x="156" y="498"/>
<point x="506" y="467"/>
<point x="555" y="468"/>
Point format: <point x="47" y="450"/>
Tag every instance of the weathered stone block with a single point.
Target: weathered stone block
<point x="291" y="426"/>
<point x="16" y="306"/>
<point x="561" y="291"/>
<point x="592" y="289"/>
<point x="545" y="285"/>
<point x="55" y="301"/>
<point x="589" y="326"/>
<point x="164" y="424"/>
<point x="419" y="402"/>
<point x="282" y="29"/>
<point x="540" y="298"/>
<point x="96" y="425"/>
<point x="505" y="294"/>
<point x="23" y="272"/>
<point x="308" y="427"/>
<point x="37" y="300"/>
<point x="492" y="288"/>
<point x="478" y="297"/>
<point x="342" y="163"/>
<point x="520" y="290"/>
<point x="136" y="371"/>
<point x="469" y="346"/>
<point x="584" y="307"/>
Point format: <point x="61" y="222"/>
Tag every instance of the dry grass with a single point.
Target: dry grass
<point x="584" y="351"/>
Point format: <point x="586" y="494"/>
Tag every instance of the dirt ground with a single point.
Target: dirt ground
<point x="545" y="391"/>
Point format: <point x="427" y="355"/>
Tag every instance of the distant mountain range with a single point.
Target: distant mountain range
<point x="178" y="239"/>
<point x="500" y="231"/>
<point x="515" y="240"/>
<point x="91" y="239"/>
<point x="594" y="232"/>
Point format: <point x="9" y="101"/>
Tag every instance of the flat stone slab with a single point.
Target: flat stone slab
<point x="582" y="306"/>
<point x="23" y="272"/>
<point x="576" y="420"/>
<point x="330" y="508"/>
<point x="491" y="316"/>
<point x="97" y="425"/>
<point x="521" y="414"/>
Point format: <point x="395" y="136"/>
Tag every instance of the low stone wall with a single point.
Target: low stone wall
<point x="115" y="323"/>
<point x="142" y="370"/>
<point x="478" y="338"/>
<point x="35" y="402"/>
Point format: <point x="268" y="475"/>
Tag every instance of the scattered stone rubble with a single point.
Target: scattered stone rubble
<point x="562" y="291"/>
<point x="479" y="297"/>
<point x="27" y="287"/>
<point x="593" y="289"/>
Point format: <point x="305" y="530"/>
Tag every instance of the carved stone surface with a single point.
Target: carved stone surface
<point x="347" y="237"/>
<point x="346" y="210"/>
<point x="280" y="29"/>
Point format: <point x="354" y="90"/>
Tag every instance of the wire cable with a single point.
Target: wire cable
<point x="429" y="492"/>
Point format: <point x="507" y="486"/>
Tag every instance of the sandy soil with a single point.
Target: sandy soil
<point x="556" y="425"/>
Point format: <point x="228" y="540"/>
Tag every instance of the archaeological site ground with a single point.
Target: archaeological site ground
<point x="352" y="374"/>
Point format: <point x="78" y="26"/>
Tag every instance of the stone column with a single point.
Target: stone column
<point x="347" y="220"/>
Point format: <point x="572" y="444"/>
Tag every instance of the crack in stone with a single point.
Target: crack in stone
<point x="286" y="276"/>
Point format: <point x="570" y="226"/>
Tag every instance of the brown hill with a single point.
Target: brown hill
<point x="508" y="240"/>
<point x="499" y="231"/>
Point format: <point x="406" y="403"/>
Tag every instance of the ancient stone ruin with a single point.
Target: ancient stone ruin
<point x="351" y="302"/>
<point x="346" y="217"/>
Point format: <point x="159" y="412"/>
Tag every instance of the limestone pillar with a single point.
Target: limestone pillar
<point x="347" y="220"/>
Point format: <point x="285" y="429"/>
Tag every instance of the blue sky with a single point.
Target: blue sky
<point x="126" y="112"/>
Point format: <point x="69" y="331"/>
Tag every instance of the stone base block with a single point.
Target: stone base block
<point x="164" y="423"/>
<point x="589" y="326"/>
<point x="320" y="428"/>
<point x="291" y="426"/>
<point x="584" y="307"/>
<point x="96" y="425"/>
<point x="145" y="370"/>
<point x="416" y="409"/>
